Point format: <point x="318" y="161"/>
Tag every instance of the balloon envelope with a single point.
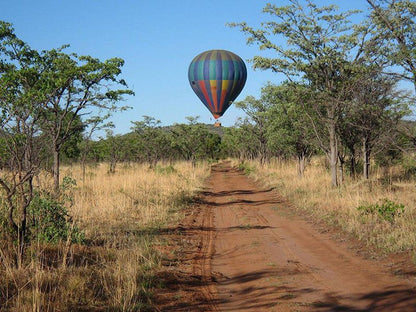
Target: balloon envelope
<point x="217" y="77"/>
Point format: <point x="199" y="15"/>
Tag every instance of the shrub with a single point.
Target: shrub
<point x="246" y="168"/>
<point x="165" y="170"/>
<point x="49" y="221"/>
<point x="409" y="166"/>
<point x="387" y="210"/>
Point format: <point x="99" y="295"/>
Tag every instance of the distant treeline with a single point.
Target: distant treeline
<point x="273" y="129"/>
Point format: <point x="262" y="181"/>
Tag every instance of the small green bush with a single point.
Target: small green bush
<point x="246" y="168"/>
<point x="49" y="221"/>
<point x="165" y="170"/>
<point x="409" y="166"/>
<point x="387" y="210"/>
<point x="5" y="229"/>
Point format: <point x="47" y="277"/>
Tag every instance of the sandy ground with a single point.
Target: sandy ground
<point x="242" y="249"/>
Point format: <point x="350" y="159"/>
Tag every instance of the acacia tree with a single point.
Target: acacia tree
<point x="256" y="123"/>
<point x="194" y="141"/>
<point x="153" y="142"/>
<point x="239" y="141"/>
<point x="395" y="38"/>
<point x="395" y="35"/>
<point x="76" y="86"/>
<point x="376" y="108"/>
<point x="20" y="111"/>
<point x="289" y="128"/>
<point x="95" y="124"/>
<point x="319" y="47"/>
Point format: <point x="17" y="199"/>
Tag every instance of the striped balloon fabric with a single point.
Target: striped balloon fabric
<point x="217" y="77"/>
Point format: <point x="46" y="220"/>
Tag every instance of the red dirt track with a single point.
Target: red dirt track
<point x="241" y="249"/>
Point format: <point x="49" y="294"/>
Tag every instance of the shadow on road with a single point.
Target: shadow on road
<point x="258" y="298"/>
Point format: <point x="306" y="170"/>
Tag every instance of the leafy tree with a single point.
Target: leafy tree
<point x="375" y="109"/>
<point x="20" y="112"/>
<point x="85" y="146"/>
<point x="75" y="86"/>
<point x="395" y="34"/>
<point x="153" y="142"/>
<point x="113" y="149"/>
<point x="244" y="137"/>
<point x="319" y="47"/>
<point x="289" y="126"/>
<point x="194" y="141"/>
<point x="236" y="142"/>
<point x="256" y="122"/>
<point x="71" y="147"/>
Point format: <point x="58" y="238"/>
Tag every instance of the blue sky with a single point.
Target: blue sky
<point x="156" y="38"/>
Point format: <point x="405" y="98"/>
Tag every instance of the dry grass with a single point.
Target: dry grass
<point x="121" y="215"/>
<point x="338" y="206"/>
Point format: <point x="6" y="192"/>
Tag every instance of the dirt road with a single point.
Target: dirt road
<point x="241" y="250"/>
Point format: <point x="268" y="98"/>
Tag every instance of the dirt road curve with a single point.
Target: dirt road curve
<point x="241" y="251"/>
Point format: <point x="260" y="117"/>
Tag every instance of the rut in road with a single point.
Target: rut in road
<point x="243" y="250"/>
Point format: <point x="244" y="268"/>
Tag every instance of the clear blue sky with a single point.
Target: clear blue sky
<point x="156" y="38"/>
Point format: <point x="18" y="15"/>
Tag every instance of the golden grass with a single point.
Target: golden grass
<point x="121" y="215"/>
<point x="136" y="195"/>
<point x="314" y="195"/>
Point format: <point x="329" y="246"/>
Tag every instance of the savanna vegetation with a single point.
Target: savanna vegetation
<point x="80" y="213"/>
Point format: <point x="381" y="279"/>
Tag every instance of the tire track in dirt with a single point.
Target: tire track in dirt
<point x="246" y="251"/>
<point x="202" y="261"/>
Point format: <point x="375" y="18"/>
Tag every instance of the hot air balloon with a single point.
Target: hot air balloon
<point x="217" y="77"/>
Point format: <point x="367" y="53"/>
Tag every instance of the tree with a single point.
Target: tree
<point x="95" y="123"/>
<point x="194" y="141"/>
<point x="20" y="111"/>
<point x="396" y="33"/>
<point x="75" y="86"/>
<point x="152" y="140"/>
<point x="256" y="123"/>
<point x="375" y="109"/>
<point x="113" y="149"/>
<point x="320" y="44"/>
<point x="289" y="129"/>
<point x="239" y="142"/>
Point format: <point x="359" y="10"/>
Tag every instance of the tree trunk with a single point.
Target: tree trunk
<point x="301" y="164"/>
<point x="21" y="244"/>
<point x="112" y="168"/>
<point x="341" y="170"/>
<point x="352" y="165"/>
<point x="366" y="158"/>
<point x="333" y="154"/>
<point x="22" y="230"/>
<point x="84" y="169"/>
<point x="55" y="169"/>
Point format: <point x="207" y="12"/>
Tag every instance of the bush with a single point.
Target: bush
<point x="409" y="166"/>
<point x="49" y="222"/>
<point x="165" y="170"/>
<point x="5" y="230"/>
<point x="387" y="211"/>
<point x="246" y="168"/>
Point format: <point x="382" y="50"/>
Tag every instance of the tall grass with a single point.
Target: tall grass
<point x="348" y="206"/>
<point x="120" y="215"/>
